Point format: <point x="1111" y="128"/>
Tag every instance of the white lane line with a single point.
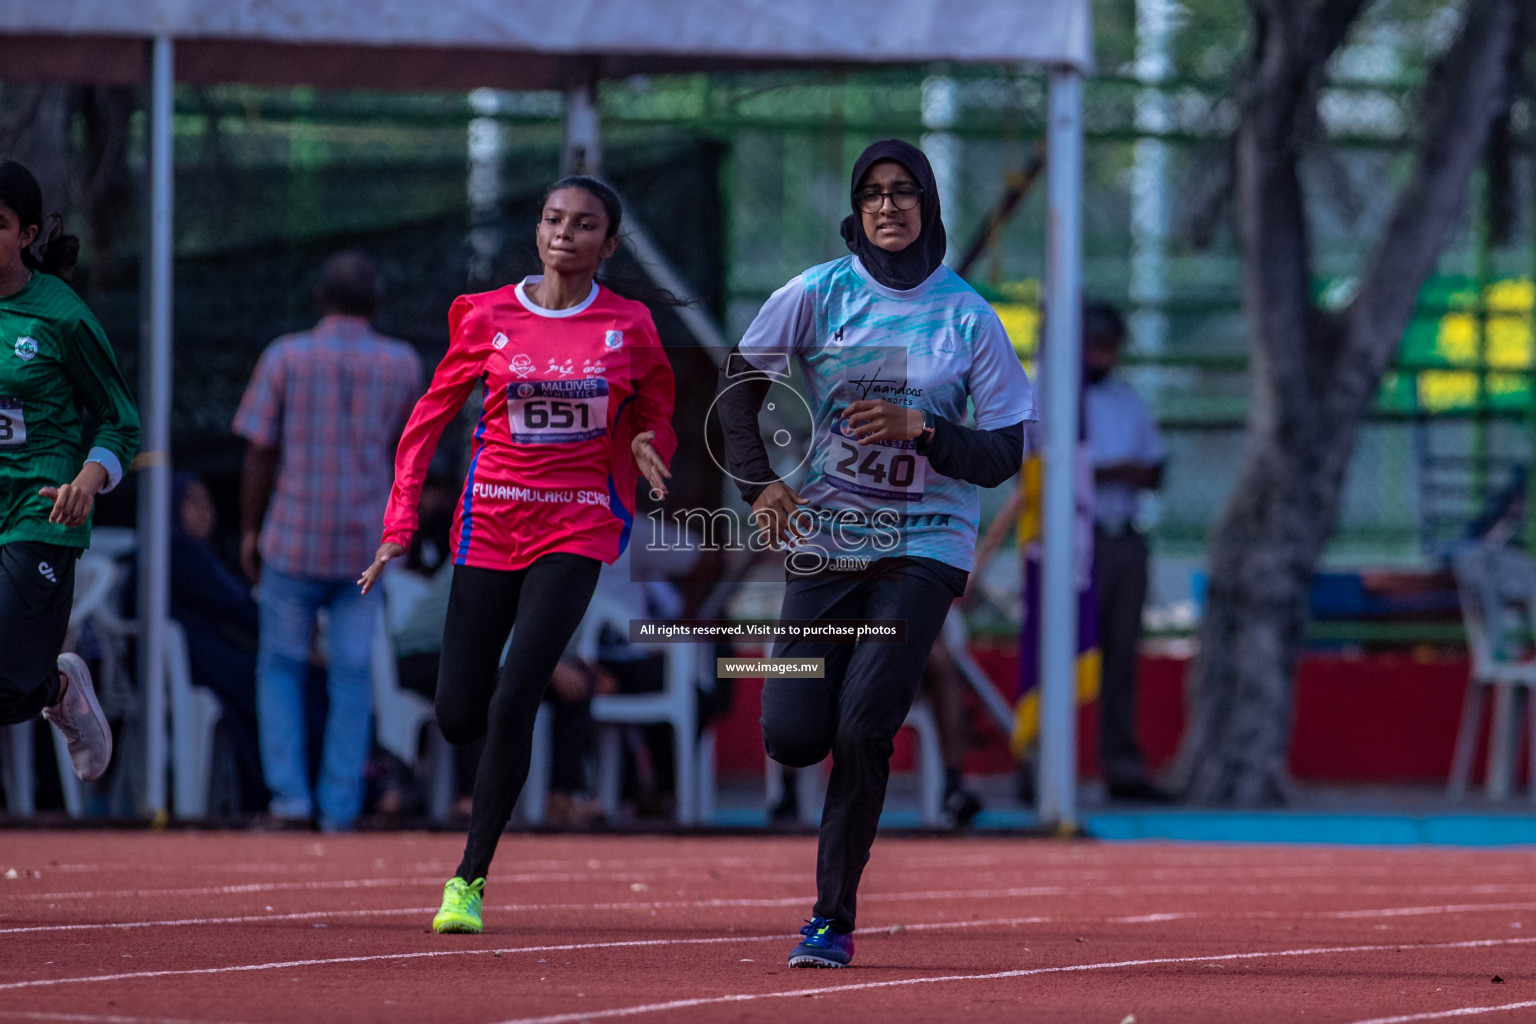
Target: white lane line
<point x="1457" y="908"/>
<point x="313" y="915"/>
<point x="93" y="1018"/>
<point x="527" y="866"/>
<point x="779" y="901"/>
<point x="722" y="939"/>
<point x="425" y="954"/>
<point x="1148" y="873"/>
<point x="623" y="876"/>
<point x="782" y="901"/>
<point x="747" y="997"/>
<point x="1328" y="915"/>
<point x="341" y="883"/>
<point x="511" y="908"/>
<point x="181" y="868"/>
<point x="1464" y="1011"/>
<point x="223" y="890"/>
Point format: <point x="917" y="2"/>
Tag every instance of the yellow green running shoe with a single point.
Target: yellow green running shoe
<point x="461" y="906"/>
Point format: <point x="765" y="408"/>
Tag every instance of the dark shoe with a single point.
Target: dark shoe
<point x="960" y="806"/>
<point x="787" y="810"/>
<point x="267" y="822"/>
<point x="822" y="947"/>
<point x="1024" y="783"/>
<point x="1143" y="791"/>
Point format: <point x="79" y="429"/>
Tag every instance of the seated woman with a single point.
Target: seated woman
<point x="216" y="611"/>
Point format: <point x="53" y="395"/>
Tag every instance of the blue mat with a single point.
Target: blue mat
<point x="1363" y="829"/>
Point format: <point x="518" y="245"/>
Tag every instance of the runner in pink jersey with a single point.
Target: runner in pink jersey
<point x="578" y="400"/>
<point x="566" y="392"/>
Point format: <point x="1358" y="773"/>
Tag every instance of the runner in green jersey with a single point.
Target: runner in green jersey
<point x="55" y="366"/>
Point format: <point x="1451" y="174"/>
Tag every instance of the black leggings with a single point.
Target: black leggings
<point x="547" y="601"/>
<point x="37" y="590"/>
<point x="855" y="712"/>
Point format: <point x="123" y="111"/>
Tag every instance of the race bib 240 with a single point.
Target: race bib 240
<point x="891" y="470"/>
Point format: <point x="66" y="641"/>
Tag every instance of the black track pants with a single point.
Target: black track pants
<point x="546" y="601"/>
<point x="855" y="712"/>
<point x="37" y="590"/>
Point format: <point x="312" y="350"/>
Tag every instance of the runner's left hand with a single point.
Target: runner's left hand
<point x="651" y="467"/>
<point x="874" y="419"/>
<point x="72" y="502"/>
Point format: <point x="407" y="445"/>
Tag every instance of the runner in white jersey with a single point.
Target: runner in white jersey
<point x="889" y="348"/>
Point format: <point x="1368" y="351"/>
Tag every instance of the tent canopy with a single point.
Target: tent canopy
<point x="520" y="44"/>
<point x="462" y="44"/>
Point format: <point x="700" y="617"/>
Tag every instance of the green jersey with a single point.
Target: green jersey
<point x="55" y="363"/>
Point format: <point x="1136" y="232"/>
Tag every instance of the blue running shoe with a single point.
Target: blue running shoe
<point x="822" y="947"/>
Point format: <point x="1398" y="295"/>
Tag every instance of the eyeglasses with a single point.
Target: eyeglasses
<point x="871" y="199"/>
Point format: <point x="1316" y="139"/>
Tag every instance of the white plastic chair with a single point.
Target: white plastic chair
<point x="400" y="715"/>
<point x="195" y="711"/>
<point x="1497" y="588"/>
<point x="675" y="704"/>
<point x="195" y="715"/>
<point x="19" y="778"/>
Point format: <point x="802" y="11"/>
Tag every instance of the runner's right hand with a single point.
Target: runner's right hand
<point x="386" y="553"/>
<point x="773" y="510"/>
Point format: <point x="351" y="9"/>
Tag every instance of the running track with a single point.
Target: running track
<point x="128" y="928"/>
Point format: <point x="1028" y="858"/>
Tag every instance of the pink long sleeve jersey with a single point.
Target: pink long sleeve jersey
<point x="550" y="465"/>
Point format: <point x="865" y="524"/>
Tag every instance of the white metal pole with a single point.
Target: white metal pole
<point x="487" y="148"/>
<point x="941" y="109"/>
<point x="583" y="130"/>
<point x="1155" y="23"/>
<point x="154" y="527"/>
<point x="1059" y="378"/>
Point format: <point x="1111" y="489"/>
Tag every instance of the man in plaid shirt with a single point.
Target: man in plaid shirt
<point x="322" y="413"/>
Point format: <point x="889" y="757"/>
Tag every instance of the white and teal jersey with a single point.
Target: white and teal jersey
<point x="937" y="347"/>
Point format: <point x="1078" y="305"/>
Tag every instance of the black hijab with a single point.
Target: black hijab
<point x="911" y="266"/>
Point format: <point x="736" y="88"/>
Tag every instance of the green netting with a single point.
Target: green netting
<point x="269" y="180"/>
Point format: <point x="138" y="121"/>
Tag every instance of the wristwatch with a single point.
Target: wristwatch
<point x="930" y="424"/>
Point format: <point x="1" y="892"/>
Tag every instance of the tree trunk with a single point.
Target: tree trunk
<point x="1314" y="373"/>
<point x="1262" y="558"/>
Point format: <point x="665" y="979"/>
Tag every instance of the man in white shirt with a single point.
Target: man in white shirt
<point x="1128" y="456"/>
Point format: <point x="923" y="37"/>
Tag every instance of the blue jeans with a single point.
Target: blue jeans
<point x="289" y="605"/>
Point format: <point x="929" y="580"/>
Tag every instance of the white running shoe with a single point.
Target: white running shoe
<point x="79" y="720"/>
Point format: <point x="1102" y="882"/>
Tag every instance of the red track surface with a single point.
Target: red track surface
<point x="134" y="927"/>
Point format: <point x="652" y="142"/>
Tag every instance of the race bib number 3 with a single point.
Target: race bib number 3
<point x="557" y="411"/>
<point x="884" y="469"/>
<point x="13" y="423"/>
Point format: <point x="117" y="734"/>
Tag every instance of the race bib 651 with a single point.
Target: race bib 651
<point x="557" y="411"/>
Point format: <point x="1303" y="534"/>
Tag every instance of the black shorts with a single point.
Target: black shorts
<point x="37" y="591"/>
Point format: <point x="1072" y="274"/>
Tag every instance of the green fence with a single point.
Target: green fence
<point x="261" y="170"/>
